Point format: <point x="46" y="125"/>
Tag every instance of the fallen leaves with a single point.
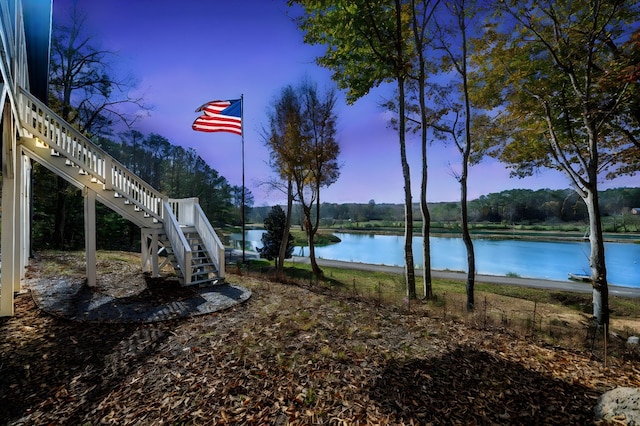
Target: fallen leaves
<point x="291" y="356"/>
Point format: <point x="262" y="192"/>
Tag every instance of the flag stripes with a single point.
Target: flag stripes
<point x="220" y="116"/>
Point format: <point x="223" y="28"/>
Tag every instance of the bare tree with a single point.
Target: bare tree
<point x="86" y="93"/>
<point x="282" y="137"/>
<point x="304" y="152"/>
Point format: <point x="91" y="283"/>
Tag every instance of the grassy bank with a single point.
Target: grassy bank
<point x="558" y="317"/>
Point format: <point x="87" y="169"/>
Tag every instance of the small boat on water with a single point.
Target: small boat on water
<point x="580" y="277"/>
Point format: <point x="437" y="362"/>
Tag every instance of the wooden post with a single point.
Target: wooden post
<point x="26" y="214"/>
<point x="155" y="269"/>
<point x="9" y="276"/>
<point x="90" y="234"/>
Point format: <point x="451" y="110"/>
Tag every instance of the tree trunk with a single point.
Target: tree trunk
<point x="466" y="237"/>
<point x="418" y="33"/>
<point x="597" y="259"/>
<point x="466" y="152"/>
<point x="426" y="224"/>
<point x="408" y="204"/>
<point x="410" y="277"/>
<point x="311" y="231"/>
<point x="312" y="257"/>
<point x="287" y="227"/>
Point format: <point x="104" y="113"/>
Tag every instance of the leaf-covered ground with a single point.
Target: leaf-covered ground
<point x="292" y="355"/>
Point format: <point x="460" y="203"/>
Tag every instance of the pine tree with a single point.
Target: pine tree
<point x="274" y="224"/>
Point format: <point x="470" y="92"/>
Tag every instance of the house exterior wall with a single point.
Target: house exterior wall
<point x="14" y="73"/>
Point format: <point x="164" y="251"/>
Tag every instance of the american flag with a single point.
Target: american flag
<point x="220" y="116"/>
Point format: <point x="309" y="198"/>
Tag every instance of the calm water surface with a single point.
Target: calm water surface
<point x="531" y="259"/>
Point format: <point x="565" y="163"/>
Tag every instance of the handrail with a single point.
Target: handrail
<point x="189" y="213"/>
<point x="183" y="209"/>
<point x="179" y="243"/>
<point x="73" y="145"/>
<point x="210" y="239"/>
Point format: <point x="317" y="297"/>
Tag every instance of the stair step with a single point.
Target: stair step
<point x="207" y="281"/>
<point x="201" y="269"/>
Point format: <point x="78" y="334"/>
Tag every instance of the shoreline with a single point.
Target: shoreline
<point x="614" y="290"/>
<point x="490" y="234"/>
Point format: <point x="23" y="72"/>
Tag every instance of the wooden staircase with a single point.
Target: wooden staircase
<point x="180" y="226"/>
<point x="203" y="269"/>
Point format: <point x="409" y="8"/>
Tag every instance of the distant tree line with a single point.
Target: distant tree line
<point x="514" y="206"/>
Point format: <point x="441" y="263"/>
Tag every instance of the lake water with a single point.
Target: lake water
<point x="551" y="260"/>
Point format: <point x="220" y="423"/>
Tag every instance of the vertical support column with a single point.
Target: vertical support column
<point x="90" y="234"/>
<point x="155" y="245"/>
<point x="149" y="245"/>
<point x="20" y="220"/>
<point x="9" y="279"/>
<point x="27" y="213"/>
<point x="144" y="249"/>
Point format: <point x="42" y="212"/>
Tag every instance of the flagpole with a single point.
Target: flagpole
<point x="243" y="190"/>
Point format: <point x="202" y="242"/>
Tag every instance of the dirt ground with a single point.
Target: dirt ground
<point x="297" y="354"/>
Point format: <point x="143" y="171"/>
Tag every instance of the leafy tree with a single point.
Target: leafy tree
<point x="421" y="15"/>
<point x="549" y="63"/>
<point x="454" y="29"/>
<point x="276" y="226"/>
<point x="236" y="201"/>
<point x="367" y="43"/>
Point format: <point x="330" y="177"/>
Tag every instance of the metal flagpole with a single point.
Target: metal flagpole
<point x="243" y="190"/>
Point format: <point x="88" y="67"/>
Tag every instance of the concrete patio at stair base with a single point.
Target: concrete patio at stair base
<point x="73" y="299"/>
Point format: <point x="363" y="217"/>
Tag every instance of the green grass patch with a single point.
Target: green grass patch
<point x="392" y="286"/>
<point x="320" y="239"/>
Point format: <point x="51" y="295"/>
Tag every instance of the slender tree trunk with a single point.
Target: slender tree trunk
<point x="597" y="258"/>
<point x="466" y="238"/>
<point x="466" y="152"/>
<point x="309" y="228"/>
<point x="317" y="271"/>
<point x="426" y="221"/>
<point x="410" y="277"/>
<point x="410" y="274"/>
<point x="313" y="229"/>
<point x="424" y="207"/>
<point x="287" y="228"/>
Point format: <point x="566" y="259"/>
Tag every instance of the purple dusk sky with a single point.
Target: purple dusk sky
<point x="185" y="53"/>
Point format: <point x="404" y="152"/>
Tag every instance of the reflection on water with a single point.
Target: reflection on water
<point x="535" y="259"/>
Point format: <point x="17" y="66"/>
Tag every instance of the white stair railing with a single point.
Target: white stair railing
<point x="43" y="123"/>
<point x="210" y="239"/>
<point x="190" y="213"/>
<point x="179" y="243"/>
<point x="64" y="140"/>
